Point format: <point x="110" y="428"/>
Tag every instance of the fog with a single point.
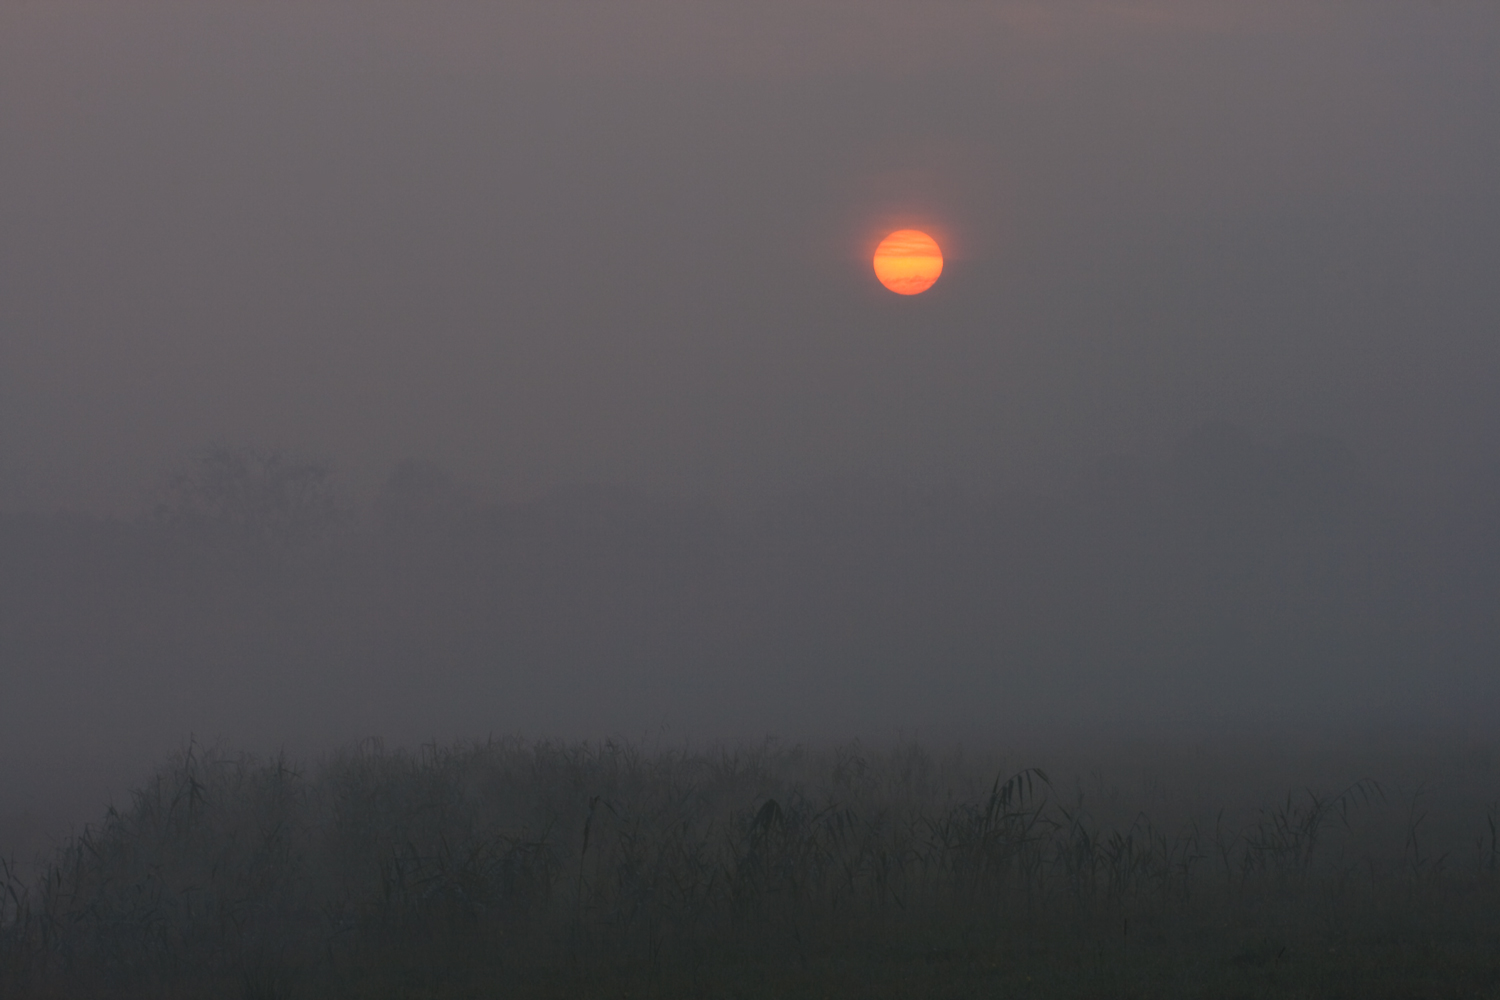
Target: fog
<point x="430" y="371"/>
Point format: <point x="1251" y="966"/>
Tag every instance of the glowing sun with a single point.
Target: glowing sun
<point x="908" y="261"/>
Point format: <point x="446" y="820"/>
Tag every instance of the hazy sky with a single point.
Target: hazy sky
<point x="543" y="243"/>
<point x="557" y="242"/>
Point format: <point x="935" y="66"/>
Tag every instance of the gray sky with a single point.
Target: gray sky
<point x="627" y="242"/>
<point x="1222" y="294"/>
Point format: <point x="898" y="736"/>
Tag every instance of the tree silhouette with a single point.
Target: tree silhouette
<point x="267" y="496"/>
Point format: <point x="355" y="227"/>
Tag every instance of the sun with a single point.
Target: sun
<point x="908" y="261"/>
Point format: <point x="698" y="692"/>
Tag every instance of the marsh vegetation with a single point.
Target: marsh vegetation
<point x="543" y="869"/>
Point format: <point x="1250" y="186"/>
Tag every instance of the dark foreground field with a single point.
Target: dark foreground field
<point x="582" y="871"/>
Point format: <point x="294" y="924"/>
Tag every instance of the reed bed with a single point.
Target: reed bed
<point x="516" y="869"/>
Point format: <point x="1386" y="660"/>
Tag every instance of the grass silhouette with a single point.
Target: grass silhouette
<point x="547" y="869"/>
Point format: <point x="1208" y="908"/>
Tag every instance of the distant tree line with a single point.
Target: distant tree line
<point x="1251" y="579"/>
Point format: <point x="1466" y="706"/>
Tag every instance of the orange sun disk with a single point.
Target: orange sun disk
<point x="908" y="261"/>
